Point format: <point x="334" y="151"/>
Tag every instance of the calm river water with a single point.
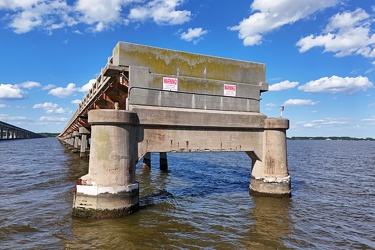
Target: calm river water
<point x="202" y="202"/>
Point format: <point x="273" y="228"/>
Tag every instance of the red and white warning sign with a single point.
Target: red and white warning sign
<point x="229" y="90"/>
<point x="170" y="83"/>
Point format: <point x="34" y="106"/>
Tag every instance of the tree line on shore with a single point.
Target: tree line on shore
<point x="46" y="134"/>
<point x="333" y="138"/>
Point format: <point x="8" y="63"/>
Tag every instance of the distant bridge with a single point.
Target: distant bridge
<point x="150" y="99"/>
<point x="8" y="131"/>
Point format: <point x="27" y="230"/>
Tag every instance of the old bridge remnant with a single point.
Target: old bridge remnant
<point x="10" y="132"/>
<point x="149" y="99"/>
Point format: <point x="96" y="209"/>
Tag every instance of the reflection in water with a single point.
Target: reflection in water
<point x="191" y="208"/>
<point x="271" y="223"/>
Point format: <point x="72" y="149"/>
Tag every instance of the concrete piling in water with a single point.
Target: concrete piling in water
<point x="76" y="141"/>
<point x="163" y="161"/>
<point x="269" y="176"/>
<point x="70" y="141"/>
<point x="109" y="189"/>
<point x="84" y="132"/>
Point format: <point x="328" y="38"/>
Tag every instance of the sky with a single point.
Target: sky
<point x="319" y="54"/>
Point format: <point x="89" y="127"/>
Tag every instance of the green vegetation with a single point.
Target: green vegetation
<point x="333" y="138"/>
<point x="45" y="134"/>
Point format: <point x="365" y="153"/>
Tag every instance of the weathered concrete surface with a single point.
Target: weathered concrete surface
<point x="77" y="142"/>
<point x="187" y="130"/>
<point x="178" y="63"/>
<point x="146" y="88"/>
<point x="84" y="149"/>
<point x="270" y="173"/>
<point x="157" y="100"/>
<point x="109" y="189"/>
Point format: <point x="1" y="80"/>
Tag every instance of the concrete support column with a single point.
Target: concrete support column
<point x="70" y="141"/>
<point x="163" y="161"/>
<point x="76" y="142"/>
<point x="109" y="189"/>
<point x="67" y="140"/>
<point x="269" y="176"/>
<point x="147" y="161"/>
<point x="84" y="132"/>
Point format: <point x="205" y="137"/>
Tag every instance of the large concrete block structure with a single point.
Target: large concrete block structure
<point x="157" y="100"/>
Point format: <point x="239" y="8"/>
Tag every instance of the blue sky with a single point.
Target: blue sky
<point x="319" y="54"/>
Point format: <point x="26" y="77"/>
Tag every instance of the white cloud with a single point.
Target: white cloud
<point x="46" y="105"/>
<point x="308" y="125"/>
<point x="336" y="84"/>
<point x="6" y="118"/>
<point x="85" y="88"/>
<point x="49" y="86"/>
<point x="99" y="15"/>
<point x="53" y="119"/>
<point x="371" y="119"/>
<point x="29" y="85"/>
<point x="194" y="35"/>
<point x="47" y="14"/>
<point x="299" y="102"/>
<point x="76" y="101"/>
<point x="15" y="4"/>
<point x="64" y="92"/>
<point x="11" y="92"/>
<point x="270" y="15"/>
<point x="94" y="11"/>
<point x="163" y="12"/>
<point x="282" y="86"/>
<point x="50" y="108"/>
<point x="60" y="111"/>
<point x="326" y="122"/>
<point x="270" y="106"/>
<point x="2" y="105"/>
<point x="71" y="89"/>
<point x="346" y="34"/>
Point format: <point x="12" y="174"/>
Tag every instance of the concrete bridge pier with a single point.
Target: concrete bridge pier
<point x="163" y="161"/>
<point x="76" y="142"/>
<point x="269" y="176"/>
<point x="109" y="189"/>
<point x="84" y="132"/>
<point x="69" y="141"/>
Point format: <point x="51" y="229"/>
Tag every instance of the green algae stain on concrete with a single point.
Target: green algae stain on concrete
<point x="170" y="62"/>
<point x="199" y="86"/>
<point x="103" y="137"/>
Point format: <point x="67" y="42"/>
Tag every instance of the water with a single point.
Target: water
<point x="201" y="203"/>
